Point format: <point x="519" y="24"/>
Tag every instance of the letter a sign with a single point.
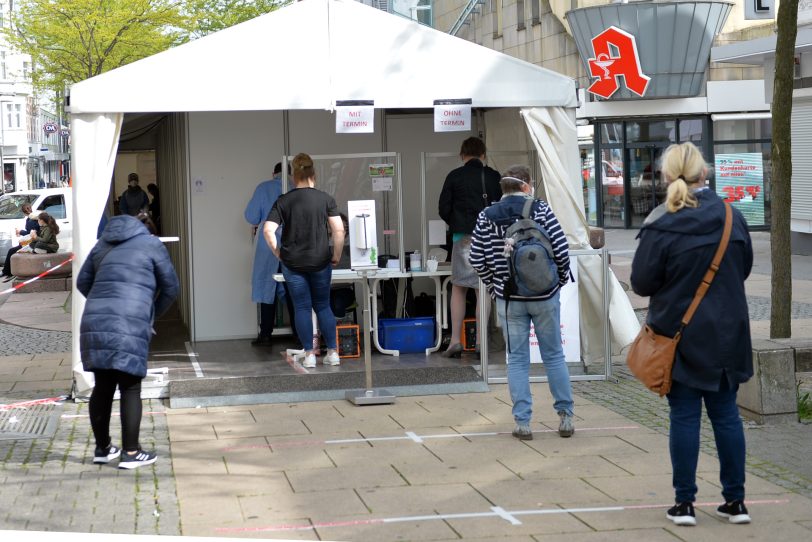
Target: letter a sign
<point x="609" y="68"/>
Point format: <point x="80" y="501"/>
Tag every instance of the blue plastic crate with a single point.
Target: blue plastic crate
<point x="406" y="334"/>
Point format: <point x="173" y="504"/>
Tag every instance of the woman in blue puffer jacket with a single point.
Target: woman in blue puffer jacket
<point x="128" y="280"/>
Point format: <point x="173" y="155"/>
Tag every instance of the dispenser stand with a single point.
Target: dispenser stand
<point x="368" y="396"/>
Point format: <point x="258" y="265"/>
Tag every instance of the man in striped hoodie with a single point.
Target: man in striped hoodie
<point x="516" y="312"/>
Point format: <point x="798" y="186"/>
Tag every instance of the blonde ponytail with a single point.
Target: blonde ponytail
<point x="683" y="163"/>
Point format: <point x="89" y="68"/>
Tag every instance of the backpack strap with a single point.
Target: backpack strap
<point x="528" y="206"/>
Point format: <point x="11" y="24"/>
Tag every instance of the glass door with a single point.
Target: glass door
<point x="646" y="186"/>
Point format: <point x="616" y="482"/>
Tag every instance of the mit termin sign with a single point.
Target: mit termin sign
<point x="609" y="68"/>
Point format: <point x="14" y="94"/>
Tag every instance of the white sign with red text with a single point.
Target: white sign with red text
<point x="452" y="117"/>
<point x="355" y="119"/>
<point x="570" y="328"/>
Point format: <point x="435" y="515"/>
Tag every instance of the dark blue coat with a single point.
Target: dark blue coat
<point x="674" y="253"/>
<point x="128" y="281"/>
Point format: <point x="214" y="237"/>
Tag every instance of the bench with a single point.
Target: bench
<point x="25" y="265"/>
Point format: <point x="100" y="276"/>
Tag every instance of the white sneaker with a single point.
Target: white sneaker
<point x="332" y="359"/>
<point x="309" y="361"/>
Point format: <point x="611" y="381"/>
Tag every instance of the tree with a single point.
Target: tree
<point x="72" y="40"/>
<point x="781" y="312"/>
<point x="214" y="15"/>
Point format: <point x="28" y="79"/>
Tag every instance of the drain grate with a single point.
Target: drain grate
<point x="36" y="421"/>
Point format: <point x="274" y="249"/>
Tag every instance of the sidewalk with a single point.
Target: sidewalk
<point x="425" y="468"/>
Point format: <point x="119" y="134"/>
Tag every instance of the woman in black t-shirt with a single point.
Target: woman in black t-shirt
<point x="306" y="256"/>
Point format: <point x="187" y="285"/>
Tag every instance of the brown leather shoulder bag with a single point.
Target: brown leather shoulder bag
<point x="651" y="356"/>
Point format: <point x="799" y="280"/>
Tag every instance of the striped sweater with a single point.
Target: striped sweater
<point x="488" y="243"/>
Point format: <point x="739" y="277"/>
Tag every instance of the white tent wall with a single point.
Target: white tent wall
<point x="230" y="153"/>
<point x="93" y="154"/>
<point x="553" y="133"/>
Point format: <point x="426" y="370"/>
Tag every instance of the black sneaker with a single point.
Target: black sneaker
<point x="262" y="340"/>
<point x="139" y="459"/>
<point x="682" y="513"/>
<point x="105" y="455"/>
<point x="735" y="512"/>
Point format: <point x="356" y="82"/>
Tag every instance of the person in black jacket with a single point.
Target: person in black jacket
<point x="31" y="225"/>
<point x="677" y="243"/>
<point x="129" y="281"/>
<point x="466" y="191"/>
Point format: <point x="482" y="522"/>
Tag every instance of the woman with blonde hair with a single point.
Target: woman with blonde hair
<point x="306" y="255"/>
<point x="677" y="244"/>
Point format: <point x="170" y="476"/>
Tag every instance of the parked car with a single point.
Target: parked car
<point x="57" y="202"/>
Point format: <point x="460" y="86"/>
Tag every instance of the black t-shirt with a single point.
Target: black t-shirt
<point x="303" y="213"/>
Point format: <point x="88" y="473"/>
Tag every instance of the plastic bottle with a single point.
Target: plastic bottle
<point x="414" y="261"/>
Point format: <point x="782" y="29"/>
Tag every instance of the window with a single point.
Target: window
<point x="497" y="19"/>
<point x="520" y="15"/>
<point x="3" y="64"/>
<point x="535" y="12"/>
<point x="54" y="206"/>
<point x="17" y="115"/>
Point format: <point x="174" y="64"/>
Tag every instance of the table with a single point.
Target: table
<point x="375" y="276"/>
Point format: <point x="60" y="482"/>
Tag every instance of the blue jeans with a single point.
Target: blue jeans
<point x="686" y="412"/>
<point x="311" y="292"/>
<point x="546" y="317"/>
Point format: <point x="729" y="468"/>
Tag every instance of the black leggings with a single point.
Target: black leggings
<point x="101" y="407"/>
<point x="7" y="264"/>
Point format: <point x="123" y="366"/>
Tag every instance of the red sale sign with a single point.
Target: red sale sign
<point x="609" y="68"/>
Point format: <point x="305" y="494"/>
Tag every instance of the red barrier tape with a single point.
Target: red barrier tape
<point x="26" y="404"/>
<point x="32" y="279"/>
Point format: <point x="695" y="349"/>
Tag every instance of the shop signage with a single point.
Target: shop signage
<point x="609" y="68"/>
<point x="759" y="9"/>
<point x="740" y="181"/>
<point x="452" y="115"/>
<point x="50" y="128"/>
<point x="355" y="117"/>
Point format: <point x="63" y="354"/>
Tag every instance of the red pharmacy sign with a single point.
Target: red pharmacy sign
<point x="608" y="67"/>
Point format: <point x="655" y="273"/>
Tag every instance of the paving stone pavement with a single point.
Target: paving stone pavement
<point x="779" y="453"/>
<point x="51" y="484"/>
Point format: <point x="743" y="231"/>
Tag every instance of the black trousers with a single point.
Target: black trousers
<point x="7" y="265"/>
<point x="267" y="316"/>
<point x="101" y="408"/>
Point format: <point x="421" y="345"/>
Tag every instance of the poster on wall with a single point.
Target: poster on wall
<point x="363" y="234"/>
<point x="355" y="117"/>
<point x="740" y="181"/>
<point x="570" y="328"/>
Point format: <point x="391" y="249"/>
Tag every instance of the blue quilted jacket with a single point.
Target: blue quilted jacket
<point x="128" y="281"/>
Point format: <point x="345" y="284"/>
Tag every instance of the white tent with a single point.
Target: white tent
<point x="305" y="56"/>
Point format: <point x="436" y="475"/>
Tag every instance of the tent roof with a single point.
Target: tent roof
<point x="310" y="54"/>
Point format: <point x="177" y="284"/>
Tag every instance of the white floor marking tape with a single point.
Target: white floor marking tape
<point x="412" y="436"/>
<point x="193" y="359"/>
<point x="496" y="512"/>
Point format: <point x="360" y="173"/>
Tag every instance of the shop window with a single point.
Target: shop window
<point x="661" y="130"/>
<point x="612" y="187"/>
<point x="691" y="130"/>
<point x="588" y="184"/>
<point x="742" y="174"/>
<point x="733" y="130"/>
<point x="611" y="132"/>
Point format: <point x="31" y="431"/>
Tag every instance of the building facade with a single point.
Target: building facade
<point x="33" y="149"/>
<point x="720" y="107"/>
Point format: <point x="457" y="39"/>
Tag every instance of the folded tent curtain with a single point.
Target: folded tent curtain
<point x="554" y="134"/>
<point x="93" y="155"/>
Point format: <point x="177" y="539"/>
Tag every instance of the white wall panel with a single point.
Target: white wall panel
<point x="230" y="153"/>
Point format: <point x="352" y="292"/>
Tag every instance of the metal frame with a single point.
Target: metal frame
<point x="607" y="341"/>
